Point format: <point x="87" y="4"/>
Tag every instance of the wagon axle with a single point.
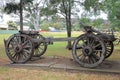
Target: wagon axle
<point x="18" y="48"/>
<point x="87" y="51"/>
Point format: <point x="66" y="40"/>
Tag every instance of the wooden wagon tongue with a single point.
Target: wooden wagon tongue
<point x="89" y="49"/>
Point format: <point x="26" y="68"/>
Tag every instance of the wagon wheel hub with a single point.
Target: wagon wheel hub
<point x="87" y="51"/>
<point x="18" y="48"/>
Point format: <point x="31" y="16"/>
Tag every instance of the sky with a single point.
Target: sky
<point x="102" y="15"/>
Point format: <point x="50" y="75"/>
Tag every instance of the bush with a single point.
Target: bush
<point x="56" y="25"/>
<point x="44" y="26"/>
<point x="76" y="27"/>
<point x="12" y="25"/>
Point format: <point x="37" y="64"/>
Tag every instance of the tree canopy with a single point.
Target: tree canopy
<point x="112" y="8"/>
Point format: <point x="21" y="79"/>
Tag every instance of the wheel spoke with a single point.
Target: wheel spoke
<point x="89" y="60"/>
<point x="19" y="39"/>
<point x="95" y="57"/>
<point x="11" y="52"/>
<point x="20" y="57"/>
<point x="108" y="50"/>
<point x="26" y="47"/>
<point x="92" y="42"/>
<point x="24" y="55"/>
<point x="97" y="45"/>
<point x="14" y="56"/>
<point x="25" y="42"/>
<point x="40" y="48"/>
<point x="10" y="48"/>
<point x="12" y="43"/>
<point x="82" y="58"/>
<point x="13" y="40"/>
<point x="27" y="51"/>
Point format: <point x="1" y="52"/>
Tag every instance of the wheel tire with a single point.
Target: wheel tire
<point x="19" y="48"/>
<point x="109" y="49"/>
<point x="88" y="50"/>
<point x="41" y="48"/>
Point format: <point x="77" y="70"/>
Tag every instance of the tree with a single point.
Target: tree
<point x="85" y="21"/>
<point x="13" y="7"/>
<point x="64" y="7"/>
<point x="93" y="6"/>
<point x="12" y="25"/>
<point x="34" y="13"/>
<point x="98" y="23"/>
<point x="112" y="8"/>
<point x="67" y="8"/>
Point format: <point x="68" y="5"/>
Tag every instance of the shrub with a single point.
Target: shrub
<point x="12" y="25"/>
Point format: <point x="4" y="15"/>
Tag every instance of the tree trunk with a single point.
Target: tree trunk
<point x="21" y="15"/>
<point x="36" y="20"/>
<point x="68" y="24"/>
<point x="67" y="9"/>
<point x="69" y="46"/>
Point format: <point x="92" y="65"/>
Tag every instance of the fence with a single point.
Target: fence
<point x="8" y="31"/>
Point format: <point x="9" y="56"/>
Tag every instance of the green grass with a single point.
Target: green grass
<point x="2" y="47"/>
<point x="38" y="74"/>
<point x="2" y="37"/>
<point x="59" y="49"/>
<point x="60" y="34"/>
<point x="3" y="69"/>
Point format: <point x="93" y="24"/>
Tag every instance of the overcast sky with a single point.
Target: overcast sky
<point x="102" y="15"/>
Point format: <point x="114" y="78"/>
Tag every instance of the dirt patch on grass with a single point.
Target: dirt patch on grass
<point x="4" y="61"/>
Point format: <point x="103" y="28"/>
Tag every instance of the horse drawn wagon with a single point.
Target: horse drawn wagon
<point x="89" y="49"/>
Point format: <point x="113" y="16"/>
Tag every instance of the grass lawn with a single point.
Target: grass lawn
<point x="59" y="49"/>
<point x="38" y="74"/>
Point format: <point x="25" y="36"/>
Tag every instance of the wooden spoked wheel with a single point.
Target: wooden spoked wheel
<point x="40" y="47"/>
<point x="109" y="49"/>
<point x="88" y="50"/>
<point x="19" y="48"/>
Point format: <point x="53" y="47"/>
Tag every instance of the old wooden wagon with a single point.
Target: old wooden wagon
<point x="89" y="49"/>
